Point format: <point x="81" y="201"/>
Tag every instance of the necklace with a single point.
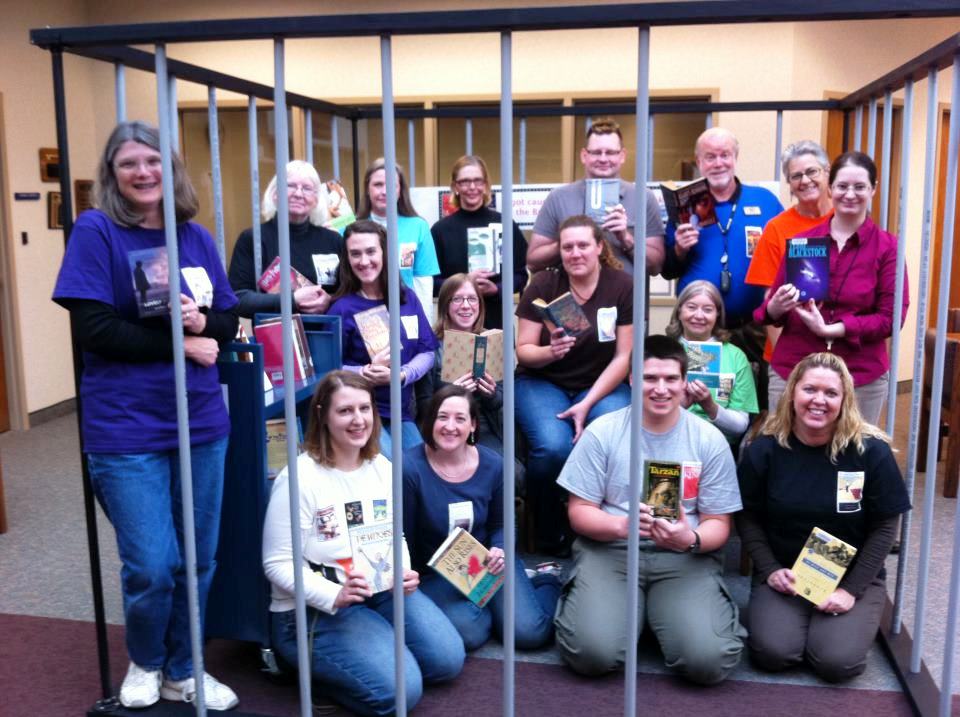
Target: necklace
<point x="580" y="296"/>
<point x="454" y="476"/>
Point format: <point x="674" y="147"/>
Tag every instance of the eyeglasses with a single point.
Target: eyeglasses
<point x="471" y="300"/>
<point x="811" y="173"/>
<point x="859" y="188"/>
<point x="133" y="165"/>
<point x="471" y="182"/>
<point x="308" y="190"/>
<point x="603" y="152"/>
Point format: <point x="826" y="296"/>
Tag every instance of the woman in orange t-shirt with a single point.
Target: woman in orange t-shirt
<point x="805" y="167"/>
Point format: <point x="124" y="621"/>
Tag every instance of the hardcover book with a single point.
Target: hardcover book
<point x="462" y="561"/>
<point x="269" y="282"/>
<point x="150" y="274"/>
<point x="372" y="548"/>
<point x="270" y="335"/>
<point x="464" y="352"/>
<point x="564" y="312"/>
<point x="808" y="266"/>
<point x="820" y="566"/>
<point x="483" y="248"/>
<point x="374" y="326"/>
<point x="703" y="362"/>
<point x="661" y="488"/>
<point x="689" y="203"/>
<point x="602" y="195"/>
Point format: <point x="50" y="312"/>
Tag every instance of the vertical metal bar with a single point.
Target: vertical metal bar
<point x="886" y="150"/>
<point x="872" y="127"/>
<point x="214" y="123"/>
<point x="936" y="390"/>
<point x="708" y="123"/>
<point x="412" y="153"/>
<point x="509" y="484"/>
<point x="905" y="139"/>
<point x="651" y="124"/>
<point x="304" y="649"/>
<point x="522" y="152"/>
<point x="858" y="129"/>
<point x="253" y="141"/>
<point x="166" y="111"/>
<point x="846" y="131"/>
<point x="636" y="390"/>
<point x="778" y="147"/>
<point x="174" y="115"/>
<point x="335" y="145"/>
<point x="308" y="128"/>
<point x="929" y="488"/>
<point x="393" y="305"/>
<point x="468" y="139"/>
<point x="120" y="91"/>
<point x="355" y="152"/>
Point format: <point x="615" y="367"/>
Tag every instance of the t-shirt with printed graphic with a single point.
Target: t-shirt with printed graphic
<point x="418" y="255"/>
<point x="592" y="353"/>
<point x="598" y="469"/>
<point x="791" y="490"/>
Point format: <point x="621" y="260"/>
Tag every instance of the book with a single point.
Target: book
<point x="270" y="335"/>
<point x="338" y="206"/>
<point x="464" y="352"/>
<point x="661" y="488"/>
<point x="277" y="445"/>
<point x="462" y="561"/>
<point x="198" y="281"/>
<point x="374" y="326"/>
<point x="703" y="362"/>
<point x="602" y="195"/>
<point x="372" y="548"/>
<point x="808" y="266"/>
<point x="269" y="281"/>
<point x="689" y="203"/>
<point x="820" y="566"/>
<point x="484" y="252"/>
<point x="327" y="268"/>
<point x="564" y="312"/>
<point x="150" y="274"/>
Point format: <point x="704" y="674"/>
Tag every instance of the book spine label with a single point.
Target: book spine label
<point x="479" y="356"/>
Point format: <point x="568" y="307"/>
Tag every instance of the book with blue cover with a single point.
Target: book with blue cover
<point x="150" y="275"/>
<point x="703" y="362"/>
<point x="808" y="266"/>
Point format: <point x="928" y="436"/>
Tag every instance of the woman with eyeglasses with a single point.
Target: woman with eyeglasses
<point x="858" y="315"/>
<point x="470" y="184"/>
<point x="805" y="166"/>
<point x="314" y="249"/>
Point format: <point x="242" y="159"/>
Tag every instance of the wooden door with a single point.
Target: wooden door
<point x="938" y="213"/>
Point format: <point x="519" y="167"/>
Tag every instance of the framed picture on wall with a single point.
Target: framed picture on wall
<point x="83" y="195"/>
<point x="54" y="210"/>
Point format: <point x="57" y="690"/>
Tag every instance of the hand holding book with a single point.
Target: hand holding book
<point x="355" y="590"/>
<point x="560" y="343"/>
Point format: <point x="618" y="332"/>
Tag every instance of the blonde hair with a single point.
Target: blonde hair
<point x="850" y="426"/>
<point x="318" y="215"/>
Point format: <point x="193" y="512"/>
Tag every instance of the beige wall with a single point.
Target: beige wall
<point x="775" y="61"/>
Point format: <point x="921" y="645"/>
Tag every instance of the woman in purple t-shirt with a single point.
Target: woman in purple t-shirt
<point x="114" y="282"/>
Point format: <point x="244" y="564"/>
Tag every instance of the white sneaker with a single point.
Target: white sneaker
<point x="216" y="694"/>
<point x="140" y="688"/>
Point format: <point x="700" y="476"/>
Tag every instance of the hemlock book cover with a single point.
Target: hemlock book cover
<point x="150" y="274"/>
<point x="564" y="312"/>
<point x="821" y="565"/>
<point x="462" y="560"/>
<point x="602" y="195"/>
<point x="372" y="548"/>
<point x="808" y="266"/>
<point x="703" y="359"/>
<point x="661" y="488"/>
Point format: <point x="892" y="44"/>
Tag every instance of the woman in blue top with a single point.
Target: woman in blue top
<point x="363" y="286"/>
<point x="448" y="482"/>
<point x="418" y="255"/>
<point x="114" y="282"/>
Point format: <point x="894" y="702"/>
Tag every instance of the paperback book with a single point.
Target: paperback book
<point x="821" y="565"/>
<point x="374" y="326"/>
<point x="484" y="248"/>
<point x="150" y="273"/>
<point x="689" y="203"/>
<point x="564" y="312"/>
<point x="462" y="561"/>
<point x="277" y="445"/>
<point x="703" y="362"/>
<point x="269" y="282"/>
<point x="602" y="195"/>
<point x="372" y="548"/>
<point x="464" y="352"/>
<point x="270" y="335"/>
<point x="808" y="266"/>
<point x="338" y="206"/>
<point x="661" y="488"/>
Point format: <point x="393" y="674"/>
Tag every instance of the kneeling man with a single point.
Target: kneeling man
<point x="682" y="594"/>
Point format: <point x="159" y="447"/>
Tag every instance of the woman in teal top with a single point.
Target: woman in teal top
<point x="699" y="316"/>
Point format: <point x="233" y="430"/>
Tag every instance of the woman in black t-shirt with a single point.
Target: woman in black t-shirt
<point x="818" y="464"/>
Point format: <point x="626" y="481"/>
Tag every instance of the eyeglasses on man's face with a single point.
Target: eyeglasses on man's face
<point x="603" y="152"/>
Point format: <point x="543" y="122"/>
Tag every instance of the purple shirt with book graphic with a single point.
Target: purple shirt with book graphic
<point x="131" y="407"/>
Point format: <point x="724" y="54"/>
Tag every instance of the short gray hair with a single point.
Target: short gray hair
<point x="268" y="209"/>
<point x="798" y="149"/>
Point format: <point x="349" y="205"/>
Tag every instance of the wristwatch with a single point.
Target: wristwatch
<point x="695" y="545"/>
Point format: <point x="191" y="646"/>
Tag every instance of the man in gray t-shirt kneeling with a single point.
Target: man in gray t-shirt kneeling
<point x="682" y="594"/>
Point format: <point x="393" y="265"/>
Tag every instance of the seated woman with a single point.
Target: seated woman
<point x="350" y="626"/>
<point x="418" y="256"/>
<point x="699" y="316"/>
<point x="314" y="249"/>
<point x="449" y="481"/>
<point x="818" y="463"/>
<point x="565" y="381"/>
<point x="363" y="286"/>
<point x="470" y="184"/>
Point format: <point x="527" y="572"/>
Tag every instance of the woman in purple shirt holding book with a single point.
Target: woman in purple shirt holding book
<point x="857" y="317"/>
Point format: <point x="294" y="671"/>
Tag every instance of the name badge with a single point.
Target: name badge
<point x="408" y="255"/>
<point x="412" y="326"/>
<point x="201" y="287"/>
<point x="752" y="238"/>
<point x="849" y="491"/>
<point x="752" y="211"/>
<point x="607" y="324"/>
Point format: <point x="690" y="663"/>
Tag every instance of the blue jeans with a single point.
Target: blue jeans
<point x="352" y="651"/>
<point x="536" y="602"/>
<point x="550" y="440"/>
<point x="140" y="493"/>
<point x="410" y="436"/>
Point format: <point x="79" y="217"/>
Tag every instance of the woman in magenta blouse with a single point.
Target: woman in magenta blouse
<point x="856" y="318"/>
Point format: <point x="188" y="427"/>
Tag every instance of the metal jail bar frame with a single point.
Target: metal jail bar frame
<point x="82" y="41"/>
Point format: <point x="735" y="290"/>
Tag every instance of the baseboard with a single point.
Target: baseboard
<point x="904" y="386"/>
<point x="57" y="410"/>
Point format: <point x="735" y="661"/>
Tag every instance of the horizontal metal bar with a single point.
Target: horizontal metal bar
<point x="704" y="12"/>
